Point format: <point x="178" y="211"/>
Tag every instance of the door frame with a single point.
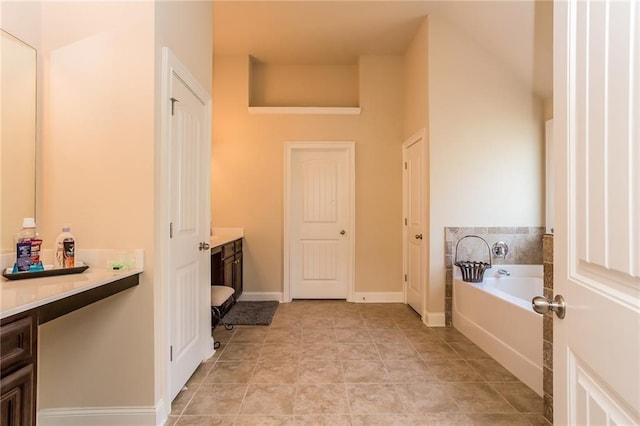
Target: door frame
<point x="289" y="149"/>
<point x="162" y="174"/>
<point x="418" y="136"/>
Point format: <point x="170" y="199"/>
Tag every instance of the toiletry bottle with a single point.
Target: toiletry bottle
<point x="65" y="249"/>
<point x="23" y="240"/>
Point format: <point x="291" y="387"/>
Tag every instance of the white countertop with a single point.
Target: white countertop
<point x="22" y="295"/>
<point x="222" y="236"/>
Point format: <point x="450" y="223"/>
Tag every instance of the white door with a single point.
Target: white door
<point x="321" y="220"/>
<point x="597" y="216"/>
<point x="190" y="262"/>
<point x="414" y="235"/>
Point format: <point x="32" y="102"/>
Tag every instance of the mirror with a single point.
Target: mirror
<point x="17" y="136"/>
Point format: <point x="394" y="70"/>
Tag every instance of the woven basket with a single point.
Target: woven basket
<point x="472" y="271"/>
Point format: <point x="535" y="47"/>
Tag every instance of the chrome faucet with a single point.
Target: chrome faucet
<point x="504" y="272"/>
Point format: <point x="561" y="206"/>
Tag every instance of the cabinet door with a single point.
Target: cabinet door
<point x="17" y="399"/>
<point x="237" y="274"/>
<point x="227" y="271"/>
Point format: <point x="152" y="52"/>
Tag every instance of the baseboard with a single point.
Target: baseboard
<point x="379" y="297"/>
<point x="435" y="319"/>
<point x="99" y="416"/>
<point x="249" y="296"/>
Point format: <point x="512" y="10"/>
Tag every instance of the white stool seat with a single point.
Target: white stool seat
<point x="220" y="294"/>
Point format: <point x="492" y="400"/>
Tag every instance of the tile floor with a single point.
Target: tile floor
<point x="339" y="363"/>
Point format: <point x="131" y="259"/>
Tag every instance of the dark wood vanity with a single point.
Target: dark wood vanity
<point x="226" y="268"/>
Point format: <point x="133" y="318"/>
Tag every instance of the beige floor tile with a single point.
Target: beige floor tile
<point x="374" y="399"/>
<point x="520" y="396"/>
<point x="381" y="420"/>
<point x="322" y="420"/>
<point x="200" y="373"/>
<point x="267" y="399"/>
<point x="453" y="370"/>
<point x="222" y="335"/>
<point x="389" y="335"/>
<point x="536" y="419"/>
<point x="243" y="420"/>
<point x="241" y="352"/>
<point x="364" y="372"/>
<point x="275" y="371"/>
<point x="352" y="322"/>
<point x="435" y="350"/>
<point x="284" y="335"/>
<point x="477" y="398"/>
<point x="491" y="370"/>
<point x="210" y="400"/>
<point x="171" y="421"/>
<point x="181" y="400"/>
<point x="318" y="335"/>
<point x="469" y="350"/>
<point x="440" y="419"/>
<point x="313" y="371"/>
<point x="319" y="351"/>
<point x="321" y="399"/>
<point x="358" y="352"/>
<point x="231" y="372"/>
<point x="206" y="421"/>
<point x="450" y="334"/>
<point x="398" y="351"/>
<point x="246" y="334"/>
<point x="425" y="398"/>
<point x="496" y="419"/>
<point x="408" y="372"/>
<point x="312" y="321"/>
<point x="353" y="336"/>
<point x="280" y="351"/>
<point x="376" y="324"/>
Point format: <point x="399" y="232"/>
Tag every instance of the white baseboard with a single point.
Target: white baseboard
<point x="256" y="296"/>
<point x="379" y="297"/>
<point x="99" y="416"/>
<point x="435" y="319"/>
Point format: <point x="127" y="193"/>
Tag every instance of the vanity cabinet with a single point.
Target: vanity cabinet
<point x="226" y="267"/>
<point x="18" y="349"/>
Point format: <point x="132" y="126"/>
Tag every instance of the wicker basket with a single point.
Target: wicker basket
<point x="472" y="271"/>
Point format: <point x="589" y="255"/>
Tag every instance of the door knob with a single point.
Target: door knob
<point x="418" y="236"/>
<point x="343" y="232"/>
<point x="203" y="246"/>
<point x="542" y="305"/>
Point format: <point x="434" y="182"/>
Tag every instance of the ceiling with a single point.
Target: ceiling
<point x="516" y="33"/>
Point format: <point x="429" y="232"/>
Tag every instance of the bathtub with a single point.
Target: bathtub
<point x="496" y="315"/>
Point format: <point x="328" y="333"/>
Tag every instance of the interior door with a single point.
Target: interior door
<point x="189" y="295"/>
<point x="321" y="231"/>
<point x="597" y="215"/>
<point x="414" y="235"/>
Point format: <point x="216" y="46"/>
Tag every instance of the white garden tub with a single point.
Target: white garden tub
<point x="497" y="316"/>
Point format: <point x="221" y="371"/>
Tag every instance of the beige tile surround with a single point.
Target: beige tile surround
<point x="339" y="363"/>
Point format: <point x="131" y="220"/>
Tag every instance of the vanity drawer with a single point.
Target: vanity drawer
<point x="228" y="249"/>
<point x="16" y="342"/>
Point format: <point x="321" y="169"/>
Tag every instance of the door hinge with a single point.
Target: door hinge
<point x="405" y="221"/>
<point x="173" y="103"/>
<point x="170" y="229"/>
<point x="405" y="277"/>
<point x="405" y="165"/>
<point x="171" y="353"/>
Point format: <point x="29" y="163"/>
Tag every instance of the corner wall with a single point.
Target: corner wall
<point x="486" y="145"/>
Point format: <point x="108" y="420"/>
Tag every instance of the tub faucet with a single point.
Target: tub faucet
<point x="504" y="272"/>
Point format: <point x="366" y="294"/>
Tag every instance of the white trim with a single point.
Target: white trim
<point x="257" y="296"/>
<point x="379" y="297"/>
<point x="435" y="319"/>
<point x="289" y="147"/>
<point x="100" y="416"/>
<point x="306" y="110"/>
<point x="170" y="64"/>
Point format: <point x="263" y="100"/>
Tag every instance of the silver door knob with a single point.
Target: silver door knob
<point x="203" y="246"/>
<point x="418" y="236"/>
<point x="542" y="305"/>
<point x="343" y="232"/>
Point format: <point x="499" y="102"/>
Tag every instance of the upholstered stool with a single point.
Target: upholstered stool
<point x="220" y="294"/>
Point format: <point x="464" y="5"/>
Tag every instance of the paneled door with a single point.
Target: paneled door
<point x="189" y="257"/>
<point x="320" y="220"/>
<point x="414" y="220"/>
<point x="597" y="212"/>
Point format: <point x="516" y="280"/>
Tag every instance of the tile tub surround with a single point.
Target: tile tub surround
<point x="525" y="248"/>
<point x="547" y="328"/>
<point x="306" y="368"/>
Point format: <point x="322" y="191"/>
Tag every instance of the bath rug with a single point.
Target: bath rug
<point x="251" y="313"/>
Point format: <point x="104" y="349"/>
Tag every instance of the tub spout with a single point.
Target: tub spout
<point x="504" y="272"/>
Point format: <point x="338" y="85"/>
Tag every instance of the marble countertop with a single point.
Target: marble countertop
<point x="22" y="295"/>
<point x="222" y="236"/>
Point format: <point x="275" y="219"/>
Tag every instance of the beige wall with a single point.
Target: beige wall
<point x="100" y="84"/>
<point x="486" y="138"/>
<point x="247" y="171"/>
<point x="416" y="82"/>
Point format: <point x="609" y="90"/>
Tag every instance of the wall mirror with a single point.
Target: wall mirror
<point x="17" y="136"/>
